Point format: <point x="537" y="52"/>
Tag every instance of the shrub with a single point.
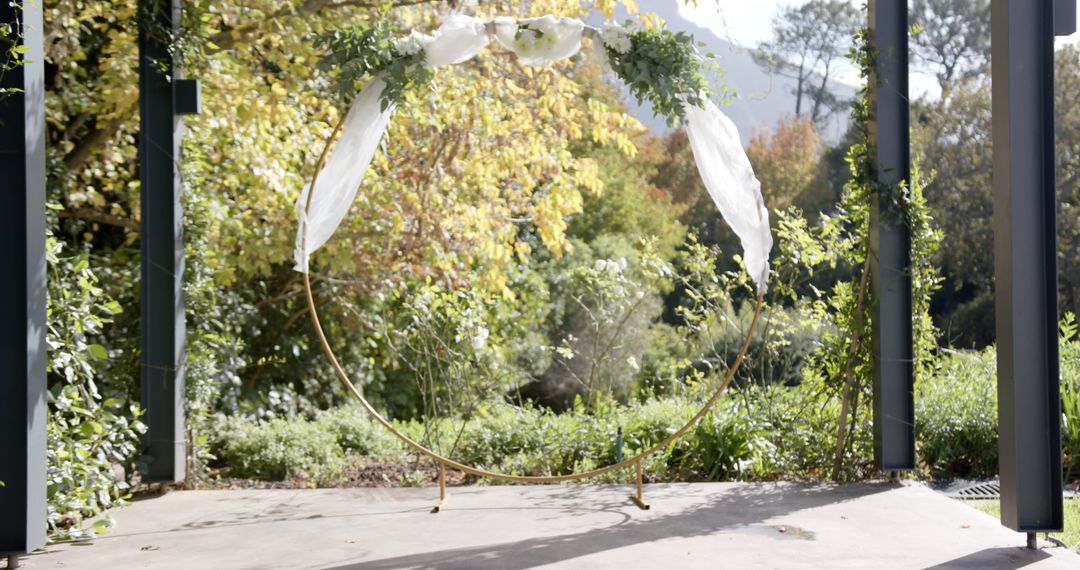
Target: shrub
<point x="92" y="434"/>
<point x="754" y="433"/>
<point x="280" y="449"/>
<point x="956" y="416"/>
<point x="1070" y="396"/>
<point x="729" y="443"/>
<point x="357" y="433"/>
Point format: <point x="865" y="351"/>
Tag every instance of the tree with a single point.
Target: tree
<point x="953" y="137"/>
<point x="788" y="163"/>
<point x="808" y="41"/>
<point x="473" y="178"/>
<point x="1067" y="132"/>
<point x="952" y="38"/>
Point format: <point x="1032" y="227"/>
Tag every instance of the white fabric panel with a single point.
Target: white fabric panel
<point x="342" y="174"/>
<point x="560" y="38"/>
<point x="725" y="169"/>
<point x="458" y="40"/>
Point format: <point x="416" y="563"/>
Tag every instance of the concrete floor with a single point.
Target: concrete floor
<point x="690" y="526"/>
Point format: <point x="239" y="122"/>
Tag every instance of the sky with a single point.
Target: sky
<point x="748" y="23"/>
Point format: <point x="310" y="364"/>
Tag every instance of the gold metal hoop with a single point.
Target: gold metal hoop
<point x="445" y="462"/>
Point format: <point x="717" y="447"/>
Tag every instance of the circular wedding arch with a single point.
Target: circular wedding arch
<point x="445" y="462"/>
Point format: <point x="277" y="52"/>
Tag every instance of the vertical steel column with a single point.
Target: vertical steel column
<point x="1029" y="401"/>
<point x="890" y="242"/>
<point x="22" y="313"/>
<point x="162" y="246"/>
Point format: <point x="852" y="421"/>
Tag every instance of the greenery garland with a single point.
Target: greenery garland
<point x="662" y="67"/>
<point x="362" y="53"/>
<point x="659" y="66"/>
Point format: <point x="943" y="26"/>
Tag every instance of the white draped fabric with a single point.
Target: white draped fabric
<point x="722" y="162"/>
<point x="546" y="39"/>
<point x="336" y="185"/>
<point x="459" y="39"/>
<point x="725" y="169"/>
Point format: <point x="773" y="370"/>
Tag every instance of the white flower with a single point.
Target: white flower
<point x="479" y="338"/>
<point x="610" y="266"/>
<point x="616" y="37"/>
<point x="536" y="35"/>
<point x="613" y="268"/>
<point x="412" y="44"/>
<point x="633" y="363"/>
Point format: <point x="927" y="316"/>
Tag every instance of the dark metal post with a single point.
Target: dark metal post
<point x="890" y="242"/>
<point x="23" y="410"/>
<point x="162" y="246"/>
<point x="1029" y="401"/>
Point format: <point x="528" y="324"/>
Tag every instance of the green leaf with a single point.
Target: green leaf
<point x="98" y="351"/>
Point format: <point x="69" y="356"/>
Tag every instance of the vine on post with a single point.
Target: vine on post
<point x="841" y="241"/>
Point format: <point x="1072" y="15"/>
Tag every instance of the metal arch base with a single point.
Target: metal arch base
<point x="445" y="462"/>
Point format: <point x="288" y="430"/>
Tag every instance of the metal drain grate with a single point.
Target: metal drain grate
<point x="968" y="489"/>
<point x="988" y="490"/>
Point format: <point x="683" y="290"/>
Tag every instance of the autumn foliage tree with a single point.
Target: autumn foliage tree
<point x="788" y="163"/>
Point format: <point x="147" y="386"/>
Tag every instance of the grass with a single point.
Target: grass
<point x="1071" y="535"/>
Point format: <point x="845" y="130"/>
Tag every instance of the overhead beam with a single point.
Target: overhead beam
<point x="23" y="412"/>
<point x="890" y="242"/>
<point x="1025" y="267"/>
<point x="162" y="246"/>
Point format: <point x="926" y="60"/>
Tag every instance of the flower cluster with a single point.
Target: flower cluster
<point x="531" y="38"/>
<point x="611" y="266"/>
<point x="472" y="328"/>
<point x="616" y="38"/>
<point x="412" y="44"/>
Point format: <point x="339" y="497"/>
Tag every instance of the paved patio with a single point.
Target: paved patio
<point x="711" y="525"/>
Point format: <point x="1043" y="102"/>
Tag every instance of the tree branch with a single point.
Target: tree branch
<point x="85" y="146"/>
<point x="92" y="215"/>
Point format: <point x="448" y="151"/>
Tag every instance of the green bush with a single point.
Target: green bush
<point x="280" y="449"/>
<point x="357" y="433"/>
<point x="728" y="444"/>
<point x="754" y="433"/>
<point x="92" y="432"/>
<point x="1070" y="396"/>
<point x="956" y="416"/>
<point x="802" y="425"/>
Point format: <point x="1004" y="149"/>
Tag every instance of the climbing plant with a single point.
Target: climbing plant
<point x="843" y="365"/>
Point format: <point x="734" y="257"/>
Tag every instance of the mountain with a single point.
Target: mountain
<point x="761" y="98"/>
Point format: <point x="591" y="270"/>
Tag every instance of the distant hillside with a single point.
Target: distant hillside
<point x="761" y="98"/>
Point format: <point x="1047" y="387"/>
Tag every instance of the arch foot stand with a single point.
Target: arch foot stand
<point x="442" y="489"/>
<point x="638" y="497"/>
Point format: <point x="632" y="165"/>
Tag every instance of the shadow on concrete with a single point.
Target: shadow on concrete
<point x="1001" y="558"/>
<point x="247" y="519"/>
<point x="287" y="509"/>
<point x="733" y="508"/>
